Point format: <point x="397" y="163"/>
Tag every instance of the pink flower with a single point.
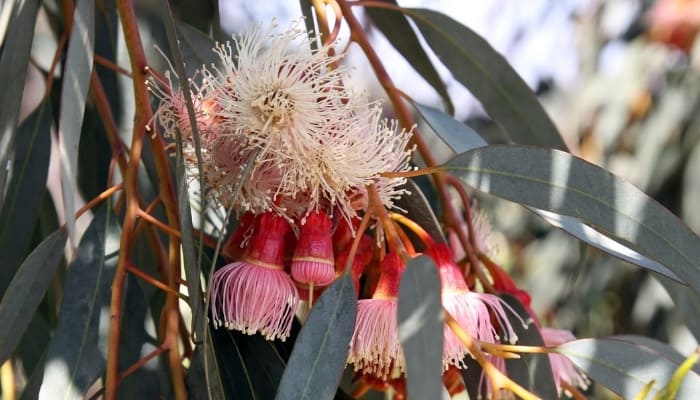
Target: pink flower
<point x="473" y="311"/>
<point x="375" y="349"/>
<point x="256" y="294"/>
<point x="563" y="369"/>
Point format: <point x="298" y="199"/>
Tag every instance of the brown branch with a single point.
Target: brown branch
<point x="140" y="363"/>
<point x="150" y="280"/>
<point x="98" y="199"/>
<point x="109" y="64"/>
<point x="141" y="120"/>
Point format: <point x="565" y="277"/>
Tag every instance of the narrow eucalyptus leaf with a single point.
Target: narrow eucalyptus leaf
<point x="531" y="371"/>
<point x="626" y="367"/>
<point x="592" y="237"/>
<point x="77" y="73"/>
<point x="76" y="355"/>
<point x="191" y="258"/>
<point x="203" y="377"/>
<point x="479" y="67"/>
<point x="321" y="349"/>
<point x="13" y="68"/>
<point x="458" y="136"/>
<point x="556" y="181"/>
<point x="400" y="34"/>
<point x="196" y="48"/>
<point x="26" y="290"/>
<point x="263" y="363"/>
<point x="135" y="342"/>
<point x="25" y="191"/>
<point x="421" y="328"/>
<point x="418" y="207"/>
<point x="461" y="138"/>
<point x="687" y="303"/>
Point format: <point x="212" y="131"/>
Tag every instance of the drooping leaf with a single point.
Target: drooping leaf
<point x="95" y="152"/>
<point x="26" y="290"/>
<point x="201" y="14"/>
<point x="192" y="265"/>
<point x="531" y="371"/>
<point x="150" y="381"/>
<point x="592" y="237"/>
<point x="13" y="67"/>
<point x="475" y="64"/>
<point x="195" y="47"/>
<point x="204" y="379"/>
<point x="400" y="34"/>
<point x="421" y="328"/>
<point x="75" y="358"/>
<point x="31" y="390"/>
<point x="462" y="138"/>
<point x="671" y="389"/>
<point x="626" y="367"/>
<point x="687" y="303"/>
<point x="559" y="182"/>
<point x="250" y="366"/>
<point x="417" y="206"/>
<point x="474" y="379"/>
<point x="190" y="261"/>
<point x="657" y="346"/>
<point x="33" y="345"/>
<point x="321" y="349"/>
<point x="77" y="72"/>
<point x="25" y="191"/>
<point x="458" y="136"/>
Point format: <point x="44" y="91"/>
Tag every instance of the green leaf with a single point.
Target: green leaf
<point x="76" y="80"/>
<point x="657" y="346"/>
<point x="400" y="34"/>
<point x="26" y="290"/>
<point x="592" y="237"/>
<point x="458" y="136"/>
<point x="461" y="138"/>
<point x="557" y="181"/>
<point x="201" y="14"/>
<point x="13" y="68"/>
<point x="26" y="190"/>
<point x="75" y="358"/>
<point x="670" y="391"/>
<point x="196" y="48"/>
<point x="190" y="261"/>
<point x="321" y="349"/>
<point x="475" y="64"/>
<point x="418" y="207"/>
<point x="203" y="376"/>
<point x="250" y="366"/>
<point x="626" y="367"/>
<point x="135" y="343"/>
<point x="192" y="264"/>
<point x="421" y="328"/>
<point x="34" y="343"/>
<point x="531" y="371"/>
<point x="687" y="304"/>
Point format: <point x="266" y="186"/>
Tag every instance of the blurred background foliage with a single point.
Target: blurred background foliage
<point x="620" y="78"/>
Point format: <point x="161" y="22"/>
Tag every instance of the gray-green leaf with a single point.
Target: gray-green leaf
<point x="321" y="349"/>
<point x="421" y="328"/>
<point x="479" y="67"/>
<point x="26" y="290"/>
<point x="556" y="181"/>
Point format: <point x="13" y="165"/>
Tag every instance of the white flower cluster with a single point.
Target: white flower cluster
<point x="276" y="102"/>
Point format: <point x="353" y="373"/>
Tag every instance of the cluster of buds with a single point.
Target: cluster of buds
<point x="293" y="152"/>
